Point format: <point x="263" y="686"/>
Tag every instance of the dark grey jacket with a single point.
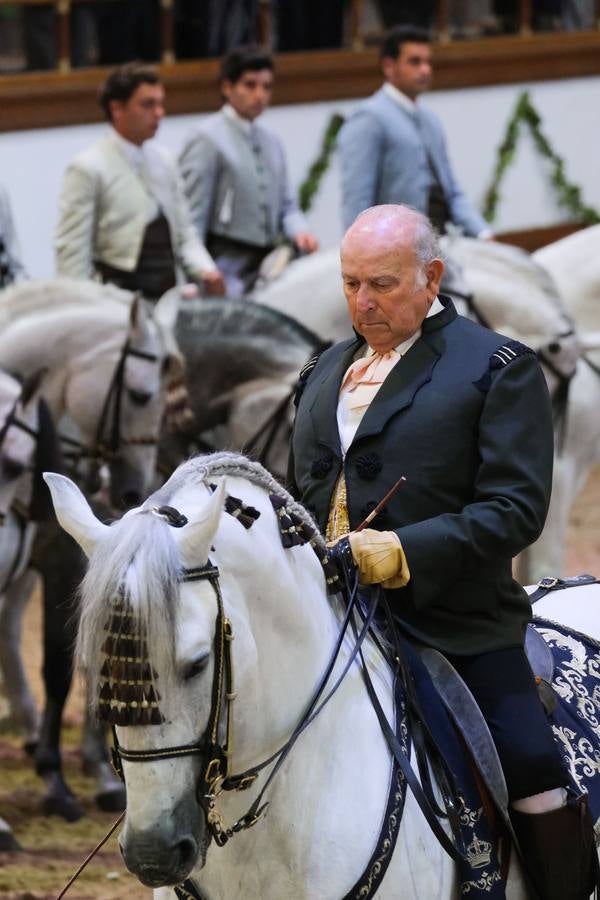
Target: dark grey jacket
<point x="469" y="424"/>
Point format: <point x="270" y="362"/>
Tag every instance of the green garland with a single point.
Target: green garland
<point x="568" y="194"/>
<point x="311" y="184"/>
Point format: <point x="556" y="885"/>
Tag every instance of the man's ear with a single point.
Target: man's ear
<point x="435" y="270"/>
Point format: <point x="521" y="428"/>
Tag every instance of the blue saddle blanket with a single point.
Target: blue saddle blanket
<point x="576" y="719"/>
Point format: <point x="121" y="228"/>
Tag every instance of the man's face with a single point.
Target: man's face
<point x="138" y="118"/>
<point x="250" y="94"/>
<point x="411" y="71"/>
<point x="380" y="278"/>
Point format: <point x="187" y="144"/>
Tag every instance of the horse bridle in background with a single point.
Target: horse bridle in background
<point x="106" y="446"/>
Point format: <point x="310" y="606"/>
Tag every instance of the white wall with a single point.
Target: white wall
<point x="32" y="162"/>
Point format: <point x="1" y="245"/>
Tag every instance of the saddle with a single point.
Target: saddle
<point x="465" y="712"/>
<point x="468" y="718"/>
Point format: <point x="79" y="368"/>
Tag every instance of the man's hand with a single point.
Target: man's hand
<point x="306" y="242"/>
<point x="379" y="558"/>
<point x="213" y="283"/>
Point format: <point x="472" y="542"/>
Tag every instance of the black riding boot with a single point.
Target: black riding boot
<point x="558" y="850"/>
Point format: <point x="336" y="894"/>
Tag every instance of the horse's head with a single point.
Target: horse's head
<point x="18" y="433"/>
<point x="163" y="584"/>
<point x="122" y="420"/>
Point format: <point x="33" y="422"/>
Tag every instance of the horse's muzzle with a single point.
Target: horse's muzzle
<point x="157" y="861"/>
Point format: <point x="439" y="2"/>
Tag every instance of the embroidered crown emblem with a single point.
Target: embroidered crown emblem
<point x="479" y="853"/>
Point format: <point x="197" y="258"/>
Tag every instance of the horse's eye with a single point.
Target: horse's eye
<point x="140" y="398"/>
<point x="196" y="667"/>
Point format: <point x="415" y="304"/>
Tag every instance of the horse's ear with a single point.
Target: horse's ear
<point x="197" y="535"/>
<point x="165" y="312"/>
<point x="73" y="512"/>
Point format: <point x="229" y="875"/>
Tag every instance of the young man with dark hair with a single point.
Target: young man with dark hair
<point x="123" y="215"/>
<point x="393" y="150"/>
<point x="236" y="179"/>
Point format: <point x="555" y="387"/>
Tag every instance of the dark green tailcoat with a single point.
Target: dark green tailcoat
<point x="465" y="416"/>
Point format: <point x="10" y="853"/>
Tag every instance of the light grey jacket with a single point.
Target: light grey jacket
<point x="384" y="160"/>
<point x="10" y="256"/>
<point x="237" y="184"/>
<point x="105" y="207"/>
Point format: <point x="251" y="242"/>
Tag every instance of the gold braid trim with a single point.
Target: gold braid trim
<point x="338" y="523"/>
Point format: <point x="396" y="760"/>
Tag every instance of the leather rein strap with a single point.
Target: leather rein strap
<point x="547" y="585"/>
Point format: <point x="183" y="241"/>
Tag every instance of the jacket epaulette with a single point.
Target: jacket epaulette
<point x="501" y="357"/>
<point x="304" y="376"/>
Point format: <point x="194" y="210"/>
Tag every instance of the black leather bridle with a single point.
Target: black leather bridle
<point x="109" y="439"/>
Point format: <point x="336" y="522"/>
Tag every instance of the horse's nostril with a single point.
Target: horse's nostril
<point x="188" y="851"/>
<point x="554" y="347"/>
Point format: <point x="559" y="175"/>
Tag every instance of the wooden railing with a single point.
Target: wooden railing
<point x="355" y="38"/>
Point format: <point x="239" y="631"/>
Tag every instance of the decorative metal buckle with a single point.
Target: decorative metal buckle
<point x="213" y="771"/>
<point x="246" y="782"/>
<point x="547" y="583"/>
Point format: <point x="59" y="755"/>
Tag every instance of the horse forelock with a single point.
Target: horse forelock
<point x="139" y="563"/>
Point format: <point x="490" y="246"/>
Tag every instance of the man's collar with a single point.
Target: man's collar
<point x="400" y="98"/>
<point x="244" y="124"/>
<point x="133" y="153"/>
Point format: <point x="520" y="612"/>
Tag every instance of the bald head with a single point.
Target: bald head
<point x="392" y="225"/>
<point x="391" y="272"/>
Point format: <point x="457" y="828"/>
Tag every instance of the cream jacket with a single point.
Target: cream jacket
<point x="105" y="205"/>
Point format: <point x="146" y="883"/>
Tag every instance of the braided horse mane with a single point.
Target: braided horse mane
<point x="138" y="560"/>
<point x="201" y="468"/>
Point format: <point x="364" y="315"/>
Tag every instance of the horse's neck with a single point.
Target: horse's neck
<point x="62" y="342"/>
<point x="51" y="338"/>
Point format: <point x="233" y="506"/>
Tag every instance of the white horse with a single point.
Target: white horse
<point x="106" y="360"/>
<point x="326" y="805"/>
<point x="18" y="428"/>
<point x="513" y="295"/>
<point x="573" y="264"/>
<point x="90" y="337"/>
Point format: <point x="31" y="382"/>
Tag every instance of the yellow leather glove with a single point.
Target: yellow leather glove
<point x="379" y="558"/>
